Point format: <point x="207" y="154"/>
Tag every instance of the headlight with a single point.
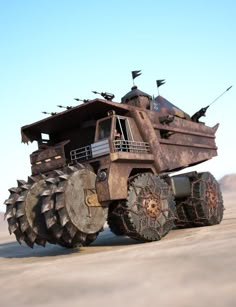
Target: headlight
<point x="102" y="175"/>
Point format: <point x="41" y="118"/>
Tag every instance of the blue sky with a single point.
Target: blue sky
<point x="52" y="51"/>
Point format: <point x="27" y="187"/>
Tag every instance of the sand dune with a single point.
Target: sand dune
<point x="228" y="183"/>
<point x="189" y="267"/>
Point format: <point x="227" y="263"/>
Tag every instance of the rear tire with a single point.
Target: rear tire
<point x="206" y="204"/>
<point x="204" y="207"/>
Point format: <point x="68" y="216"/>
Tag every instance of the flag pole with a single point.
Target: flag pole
<point x="135" y="74"/>
<point x="159" y="83"/>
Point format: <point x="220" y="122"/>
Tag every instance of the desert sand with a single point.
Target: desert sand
<point x="189" y="267"/>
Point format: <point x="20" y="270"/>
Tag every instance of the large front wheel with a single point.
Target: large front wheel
<point x="148" y="214"/>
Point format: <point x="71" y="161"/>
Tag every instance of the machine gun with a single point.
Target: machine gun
<point x="84" y="100"/>
<point x="64" y="107"/>
<point x="107" y="96"/>
<point x="202" y="112"/>
<point x="196" y="116"/>
<point x="50" y="113"/>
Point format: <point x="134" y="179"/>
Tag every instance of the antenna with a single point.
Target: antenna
<point x="202" y="112"/>
<point x="220" y="95"/>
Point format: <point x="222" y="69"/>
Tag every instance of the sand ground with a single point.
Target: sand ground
<point x="190" y="267"/>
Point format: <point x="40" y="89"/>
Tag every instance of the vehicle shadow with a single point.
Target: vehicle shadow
<point x="105" y="241"/>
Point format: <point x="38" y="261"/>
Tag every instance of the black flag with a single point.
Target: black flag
<point x="136" y="73"/>
<point x="160" y="82"/>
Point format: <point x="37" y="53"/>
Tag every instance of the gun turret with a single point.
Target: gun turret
<point x="202" y="111"/>
<point x="107" y="96"/>
<point x="196" y="116"/>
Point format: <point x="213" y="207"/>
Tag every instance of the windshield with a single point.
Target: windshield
<point x="104" y="129"/>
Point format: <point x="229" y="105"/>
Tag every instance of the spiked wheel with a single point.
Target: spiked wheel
<point x="68" y="212"/>
<point x="24" y="213"/>
<point x="205" y="206"/>
<point x="10" y="215"/>
<point x="149" y="211"/>
<point x="60" y="235"/>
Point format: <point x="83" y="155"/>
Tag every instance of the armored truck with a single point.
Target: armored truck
<point x="104" y="161"/>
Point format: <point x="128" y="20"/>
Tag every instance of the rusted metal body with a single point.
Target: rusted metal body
<point x="114" y="148"/>
<point x="154" y="145"/>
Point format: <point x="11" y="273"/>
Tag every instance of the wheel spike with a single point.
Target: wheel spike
<point x="90" y="238"/>
<point x="63" y="217"/>
<point x="12" y="226"/>
<point x="20" y="199"/>
<point x="51" y="180"/>
<point x="46" y="206"/>
<point x="59" y="190"/>
<point x="50" y="220"/>
<point x="18" y="207"/>
<point x="31" y="235"/>
<point x="59" y="205"/>
<point x="31" y="180"/>
<point x="58" y="172"/>
<point x="14" y="190"/>
<point x="41" y="242"/>
<point x="25" y="187"/>
<point x="8" y="214"/>
<point x="9" y="201"/>
<point x="23" y="224"/>
<point x="79" y="166"/>
<point x="71" y="229"/>
<point x="64" y="177"/>
<point x="43" y="176"/>
<point x="71" y="169"/>
<point x="46" y="193"/>
<point x="21" y="182"/>
<point x="19" y="212"/>
<point x="19" y="236"/>
<point x="57" y="231"/>
<point x="28" y="242"/>
<point x="82" y="237"/>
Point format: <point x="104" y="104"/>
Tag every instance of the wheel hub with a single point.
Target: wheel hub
<point x="152" y="206"/>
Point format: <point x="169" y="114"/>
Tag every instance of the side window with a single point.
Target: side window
<point x="104" y="129"/>
<point x="45" y="138"/>
<point x="123" y="129"/>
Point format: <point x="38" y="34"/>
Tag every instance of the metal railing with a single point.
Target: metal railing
<point x="101" y="148"/>
<point x="83" y="153"/>
<point x="131" y="146"/>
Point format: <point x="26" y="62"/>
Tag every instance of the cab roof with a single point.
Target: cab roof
<point x="66" y="120"/>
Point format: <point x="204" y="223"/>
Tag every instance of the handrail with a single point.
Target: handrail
<point x="131" y="146"/>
